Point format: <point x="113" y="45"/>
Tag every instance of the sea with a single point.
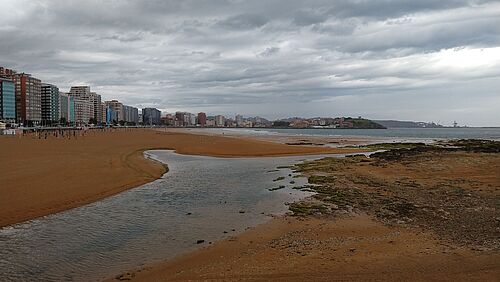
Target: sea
<point x="390" y="133"/>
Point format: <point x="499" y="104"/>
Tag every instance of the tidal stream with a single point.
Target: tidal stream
<point x="200" y="198"/>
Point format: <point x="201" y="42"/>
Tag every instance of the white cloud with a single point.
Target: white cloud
<point x="255" y="57"/>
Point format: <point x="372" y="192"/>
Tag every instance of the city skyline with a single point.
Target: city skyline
<point x="39" y="103"/>
<point x="402" y="60"/>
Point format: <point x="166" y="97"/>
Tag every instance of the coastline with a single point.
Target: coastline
<point x="399" y="225"/>
<point x="347" y="137"/>
<point x="285" y="137"/>
<point x="45" y="176"/>
<point x="348" y="248"/>
<point x="366" y="239"/>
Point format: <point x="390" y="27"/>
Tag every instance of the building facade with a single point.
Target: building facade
<point x="130" y="115"/>
<point x="7" y="100"/>
<point x="96" y="101"/>
<point x="180" y="119"/>
<point x="80" y="92"/>
<point x="103" y="113"/>
<point x="202" y="119"/>
<point x="84" y="111"/>
<point x="66" y="108"/>
<point x="134" y="115"/>
<point x="84" y="104"/>
<point x="50" y="104"/>
<point x="117" y="107"/>
<point x="111" y="117"/>
<point x="210" y="122"/>
<point x="151" y="116"/>
<point x="220" y="121"/>
<point x="239" y="121"/>
<point x="28" y="99"/>
<point x="191" y="119"/>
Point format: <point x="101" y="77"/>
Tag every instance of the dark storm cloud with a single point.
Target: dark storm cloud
<point x="319" y="57"/>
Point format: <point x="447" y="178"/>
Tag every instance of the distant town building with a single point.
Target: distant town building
<point x="300" y="124"/>
<point x="103" y="112"/>
<point x="151" y="116"/>
<point x="84" y="104"/>
<point x="259" y="122"/>
<point x="180" y="119"/>
<point x="202" y="119"/>
<point x="220" y="121"/>
<point x="191" y="119"/>
<point x="117" y="108"/>
<point x="80" y="92"/>
<point x="168" y="120"/>
<point x="229" y="122"/>
<point x="126" y="113"/>
<point x="84" y="111"/>
<point x="210" y="122"/>
<point x="66" y="108"/>
<point x="28" y="97"/>
<point x="6" y="73"/>
<point x="96" y="101"/>
<point x="7" y="100"/>
<point x="50" y="104"/>
<point x="239" y="121"/>
<point x="111" y="116"/>
<point x="130" y="115"/>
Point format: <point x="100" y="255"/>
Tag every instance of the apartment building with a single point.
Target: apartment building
<point x="7" y="100"/>
<point x="50" y="104"/>
<point x="151" y="116"/>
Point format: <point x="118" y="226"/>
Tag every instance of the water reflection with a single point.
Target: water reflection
<point x="200" y="198"/>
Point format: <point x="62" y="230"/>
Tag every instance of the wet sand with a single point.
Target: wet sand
<point x="423" y="216"/>
<point x="353" y="248"/>
<point x="296" y="140"/>
<point x="43" y="176"/>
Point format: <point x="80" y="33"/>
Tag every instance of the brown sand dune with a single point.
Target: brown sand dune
<point x="43" y="176"/>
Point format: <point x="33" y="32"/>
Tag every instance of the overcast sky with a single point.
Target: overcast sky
<point x="424" y="60"/>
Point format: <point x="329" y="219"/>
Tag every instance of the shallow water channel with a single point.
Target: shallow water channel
<point x="200" y="198"/>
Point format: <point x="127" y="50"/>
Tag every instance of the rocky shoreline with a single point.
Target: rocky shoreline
<point x="415" y="185"/>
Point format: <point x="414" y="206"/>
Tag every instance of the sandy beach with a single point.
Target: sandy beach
<point x="422" y="214"/>
<point x="43" y="176"/>
<point x="355" y="248"/>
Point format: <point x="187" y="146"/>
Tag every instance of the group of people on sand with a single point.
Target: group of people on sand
<point x="72" y="133"/>
<point x="69" y="133"/>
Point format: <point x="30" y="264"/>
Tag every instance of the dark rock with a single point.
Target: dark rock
<point x="125" y="276"/>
